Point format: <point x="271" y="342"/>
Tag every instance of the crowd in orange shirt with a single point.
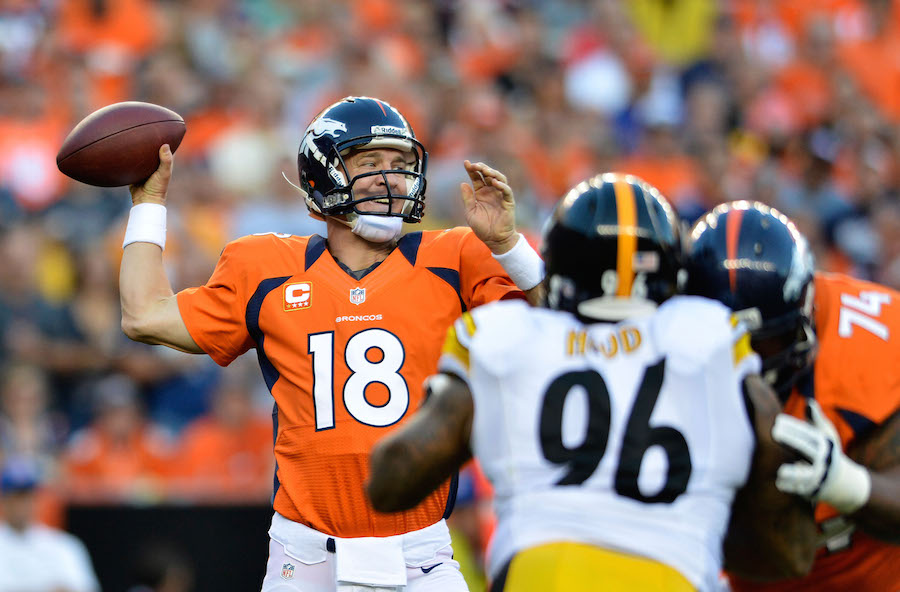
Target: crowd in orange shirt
<point x="122" y="457"/>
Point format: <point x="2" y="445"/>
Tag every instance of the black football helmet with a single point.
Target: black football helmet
<point x="358" y="122"/>
<point x="612" y="249"/>
<point x="753" y="259"/>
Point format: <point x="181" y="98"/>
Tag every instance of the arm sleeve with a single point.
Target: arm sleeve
<point x="482" y="277"/>
<point x="857" y="324"/>
<point x="215" y="314"/>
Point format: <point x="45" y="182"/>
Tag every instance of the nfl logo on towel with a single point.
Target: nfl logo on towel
<point x="358" y="295"/>
<point x="287" y="571"/>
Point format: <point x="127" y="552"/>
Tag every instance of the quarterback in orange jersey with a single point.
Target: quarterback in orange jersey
<point x="346" y="329"/>
<point x="829" y="346"/>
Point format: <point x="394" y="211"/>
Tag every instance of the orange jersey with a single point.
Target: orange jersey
<point x="345" y="359"/>
<point x="856" y="380"/>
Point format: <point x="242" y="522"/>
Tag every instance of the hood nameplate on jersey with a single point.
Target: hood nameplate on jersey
<point x="297" y="296"/>
<point x="358" y="296"/>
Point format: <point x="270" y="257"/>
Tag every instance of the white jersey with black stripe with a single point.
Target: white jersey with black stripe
<point x="632" y="436"/>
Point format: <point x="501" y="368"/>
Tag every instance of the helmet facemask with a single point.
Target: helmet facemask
<point x="342" y="199"/>
<point x="787" y="345"/>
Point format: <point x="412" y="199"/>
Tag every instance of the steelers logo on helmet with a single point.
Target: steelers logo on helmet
<point x="753" y="259"/>
<point x="628" y="232"/>
<point x="357" y="123"/>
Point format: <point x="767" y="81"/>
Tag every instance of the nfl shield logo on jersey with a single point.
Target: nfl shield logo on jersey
<point x="358" y="295"/>
<point x="287" y="571"/>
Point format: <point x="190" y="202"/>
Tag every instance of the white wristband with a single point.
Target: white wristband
<point x="146" y="224"/>
<point x="523" y="265"/>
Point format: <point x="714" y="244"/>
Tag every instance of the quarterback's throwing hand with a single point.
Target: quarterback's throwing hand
<point x="154" y="189"/>
<point x="490" y="207"/>
<point x="827" y="474"/>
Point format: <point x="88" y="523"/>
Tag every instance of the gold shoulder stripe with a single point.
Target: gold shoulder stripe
<point x="453" y="347"/>
<point x="740" y="344"/>
<point x="741" y="349"/>
<point x="469" y="323"/>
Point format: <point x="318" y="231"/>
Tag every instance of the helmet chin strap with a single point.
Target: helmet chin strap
<point x="375" y="229"/>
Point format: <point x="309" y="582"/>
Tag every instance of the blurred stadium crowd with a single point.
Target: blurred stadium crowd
<point x="795" y="104"/>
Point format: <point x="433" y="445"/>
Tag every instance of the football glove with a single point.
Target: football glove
<point x="827" y="474"/>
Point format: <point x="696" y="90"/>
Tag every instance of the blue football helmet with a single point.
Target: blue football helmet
<point x="358" y="123"/>
<point x="612" y="249"/>
<point x="753" y="259"/>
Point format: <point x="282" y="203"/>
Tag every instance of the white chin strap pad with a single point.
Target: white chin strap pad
<point x="377" y="229"/>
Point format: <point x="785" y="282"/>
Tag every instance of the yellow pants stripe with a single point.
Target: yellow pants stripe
<point x="574" y="567"/>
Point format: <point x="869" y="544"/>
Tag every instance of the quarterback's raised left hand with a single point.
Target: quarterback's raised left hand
<point x="490" y="207"/>
<point x="827" y="474"/>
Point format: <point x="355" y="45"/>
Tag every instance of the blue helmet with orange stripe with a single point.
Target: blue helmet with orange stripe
<point x="612" y="249"/>
<point x="753" y="259"/>
<point x="357" y="123"/>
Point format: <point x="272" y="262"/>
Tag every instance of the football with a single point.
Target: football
<point x="119" y="144"/>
